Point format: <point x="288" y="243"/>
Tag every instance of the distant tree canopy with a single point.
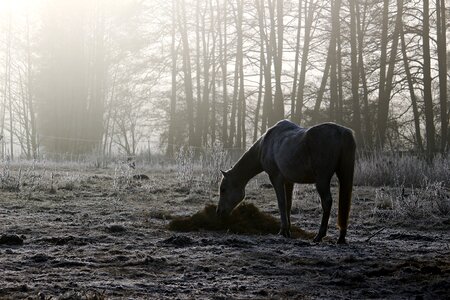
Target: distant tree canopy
<point x="122" y="76"/>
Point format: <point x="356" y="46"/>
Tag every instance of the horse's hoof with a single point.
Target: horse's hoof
<point x="342" y="241"/>
<point x="285" y="232"/>
<point x="317" y="239"/>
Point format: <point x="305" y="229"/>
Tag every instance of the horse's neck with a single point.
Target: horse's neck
<point x="249" y="165"/>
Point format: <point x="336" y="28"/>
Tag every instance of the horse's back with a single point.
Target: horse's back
<point x="303" y="154"/>
<point x="291" y="135"/>
<point x="328" y="134"/>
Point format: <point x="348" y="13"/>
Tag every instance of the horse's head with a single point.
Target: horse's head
<point x="232" y="192"/>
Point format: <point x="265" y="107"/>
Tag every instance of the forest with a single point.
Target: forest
<point x="130" y="77"/>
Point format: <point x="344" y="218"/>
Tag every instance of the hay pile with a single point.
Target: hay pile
<point x="245" y="219"/>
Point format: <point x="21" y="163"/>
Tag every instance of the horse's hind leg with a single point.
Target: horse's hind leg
<point x="345" y="201"/>
<point x="323" y="188"/>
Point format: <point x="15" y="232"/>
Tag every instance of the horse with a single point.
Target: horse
<point x="291" y="154"/>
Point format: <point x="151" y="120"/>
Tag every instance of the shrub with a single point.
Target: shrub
<point x="215" y="159"/>
<point x="184" y="159"/>
<point x="123" y="177"/>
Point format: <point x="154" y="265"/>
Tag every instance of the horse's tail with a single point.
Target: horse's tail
<point x="344" y="173"/>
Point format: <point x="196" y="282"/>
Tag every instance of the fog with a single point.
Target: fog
<point x="130" y="77"/>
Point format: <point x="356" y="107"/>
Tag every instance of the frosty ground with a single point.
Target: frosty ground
<point x="96" y="233"/>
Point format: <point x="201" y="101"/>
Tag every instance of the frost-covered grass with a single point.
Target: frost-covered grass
<point x="26" y="177"/>
<point x="405" y="187"/>
<point x="429" y="204"/>
<point x="395" y="170"/>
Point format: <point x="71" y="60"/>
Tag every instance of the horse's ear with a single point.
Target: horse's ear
<point x="224" y="173"/>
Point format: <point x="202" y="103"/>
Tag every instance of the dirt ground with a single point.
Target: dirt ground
<point x="88" y="235"/>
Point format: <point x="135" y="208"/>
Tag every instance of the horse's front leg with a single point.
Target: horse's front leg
<point x="279" y="186"/>
<point x="325" y="198"/>
<point x="289" y="188"/>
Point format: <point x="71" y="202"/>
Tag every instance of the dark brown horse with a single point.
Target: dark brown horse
<point x="292" y="154"/>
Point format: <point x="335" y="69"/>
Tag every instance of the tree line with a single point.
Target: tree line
<point x="122" y="76"/>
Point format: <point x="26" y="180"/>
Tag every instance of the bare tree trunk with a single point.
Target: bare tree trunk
<point x="3" y="108"/>
<point x="232" y="134"/>
<point x="173" y="96"/>
<point x="427" y="95"/>
<point x="362" y="72"/>
<point x="198" y="117"/>
<point x="383" y="106"/>
<point x="412" y="95"/>
<point x="109" y="119"/>
<point x="213" y="77"/>
<point x="223" y="66"/>
<point x="30" y="92"/>
<point x="309" y="16"/>
<point x="330" y="66"/>
<point x="187" y="74"/>
<point x="204" y="107"/>
<point x="278" y="103"/>
<point x="382" y="114"/>
<point x="356" y="122"/>
<point x="335" y="29"/>
<point x="240" y="136"/>
<point x="442" y="61"/>
<point x="392" y="59"/>
<point x="340" y="99"/>
<point x="260" y="92"/>
<point x="8" y="75"/>
<point x="296" y="61"/>
<point x="339" y="102"/>
<point x="316" y="113"/>
<point x="267" y="115"/>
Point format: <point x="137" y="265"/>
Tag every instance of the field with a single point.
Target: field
<point x="82" y="232"/>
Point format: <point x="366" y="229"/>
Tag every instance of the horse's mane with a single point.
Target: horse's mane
<point x="249" y="164"/>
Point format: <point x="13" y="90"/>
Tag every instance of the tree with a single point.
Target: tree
<point x="223" y="52"/>
<point x="330" y="67"/>
<point x="309" y="16"/>
<point x="412" y="94"/>
<point x="386" y="86"/>
<point x="382" y="111"/>
<point x="187" y="74"/>
<point x="296" y="61"/>
<point x="362" y="73"/>
<point x="427" y="95"/>
<point x="173" y="96"/>
<point x="278" y="104"/>
<point x="31" y="128"/>
<point x="7" y="99"/>
<point x="356" y="123"/>
<point x="267" y="118"/>
<point x="441" y="28"/>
